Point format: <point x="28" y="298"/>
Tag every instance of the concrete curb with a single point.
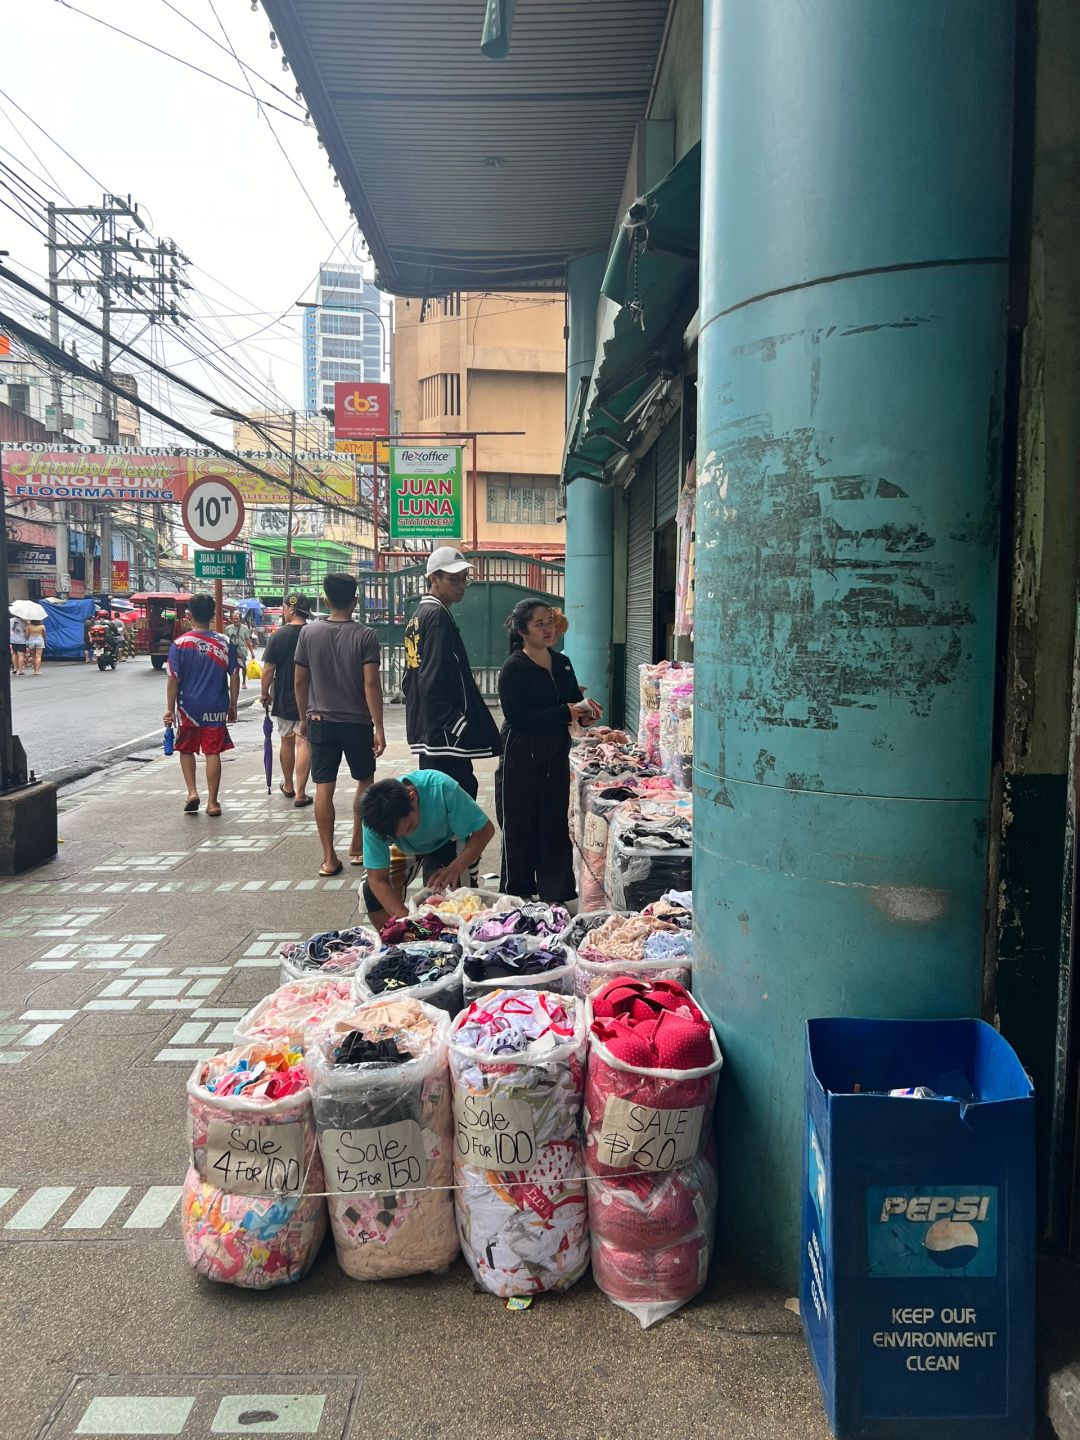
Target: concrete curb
<point x="93" y="764"/>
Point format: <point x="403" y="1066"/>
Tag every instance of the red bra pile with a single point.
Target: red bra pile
<point x="652" y="1025"/>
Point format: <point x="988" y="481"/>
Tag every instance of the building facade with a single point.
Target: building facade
<point x="492" y="364"/>
<point x="346" y="334"/>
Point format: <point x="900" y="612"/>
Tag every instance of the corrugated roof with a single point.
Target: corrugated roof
<point x="468" y="173"/>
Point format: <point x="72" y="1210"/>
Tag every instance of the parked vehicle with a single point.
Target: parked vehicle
<point x="165" y="617"/>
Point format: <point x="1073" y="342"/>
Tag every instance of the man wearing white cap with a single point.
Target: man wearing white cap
<point x="447" y="723"/>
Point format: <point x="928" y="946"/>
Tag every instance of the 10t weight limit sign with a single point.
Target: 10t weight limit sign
<point x="213" y="512"/>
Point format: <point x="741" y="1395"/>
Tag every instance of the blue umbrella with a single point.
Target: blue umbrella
<point x="268" y="748"/>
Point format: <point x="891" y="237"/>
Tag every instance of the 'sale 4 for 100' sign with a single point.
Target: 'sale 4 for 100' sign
<point x="425" y="492"/>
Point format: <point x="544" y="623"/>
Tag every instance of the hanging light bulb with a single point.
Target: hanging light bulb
<point x="273" y="41"/>
<point x="284" y="63"/>
<point x="254" y="7"/>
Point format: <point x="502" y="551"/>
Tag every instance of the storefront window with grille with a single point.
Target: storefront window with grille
<point x="521" y="499"/>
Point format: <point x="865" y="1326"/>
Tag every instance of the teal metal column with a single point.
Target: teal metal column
<point x="855" y="224"/>
<point x="589" y="513"/>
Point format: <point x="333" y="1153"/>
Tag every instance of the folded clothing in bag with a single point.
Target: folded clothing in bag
<point x="645" y="947"/>
<point x="285" y="1016"/>
<point x="252" y="1212"/>
<point x="381" y="1097"/>
<point x="516" y="1066"/>
<point x="332" y="953"/>
<point x="428" y="970"/>
<point x="519" y="961"/>
<point x="649" y="1096"/>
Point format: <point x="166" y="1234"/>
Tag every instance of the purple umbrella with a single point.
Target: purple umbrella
<point x="268" y="748"/>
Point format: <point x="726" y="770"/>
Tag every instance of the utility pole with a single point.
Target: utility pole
<point x="125" y="264"/>
<point x="63" y="581"/>
<point x="292" y="507"/>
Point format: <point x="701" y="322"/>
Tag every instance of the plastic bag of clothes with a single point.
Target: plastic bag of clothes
<point x="519" y="962"/>
<point x="336" y="952"/>
<point x="535" y="919"/>
<point x="428" y="970"/>
<point x="677" y="726"/>
<point x="402" y="929"/>
<point x="517" y="1071"/>
<point x="455" y="907"/>
<point x="650" y="850"/>
<point x="645" y="947"/>
<point x="650" y="680"/>
<point x="286" y="1015"/>
<point x="381" y="1096"/>
<point x="601" y="799"/>
<point x="252" y="1212"/>
<point x="649" y="1099"/>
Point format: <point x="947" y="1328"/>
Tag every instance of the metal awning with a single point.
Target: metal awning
<point x="466" y="173"/>
<point x="649" y="293"/>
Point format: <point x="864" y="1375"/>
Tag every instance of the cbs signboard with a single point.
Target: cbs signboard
<point x="361" y="412"/>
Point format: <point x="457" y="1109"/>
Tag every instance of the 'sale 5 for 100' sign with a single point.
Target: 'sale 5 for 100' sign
<point x="425" y="491"/>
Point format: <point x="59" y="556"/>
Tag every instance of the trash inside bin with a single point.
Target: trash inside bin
<point x="918" y="1233"/>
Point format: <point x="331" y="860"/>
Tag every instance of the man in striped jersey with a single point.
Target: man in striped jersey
<point x="204" y="682"/>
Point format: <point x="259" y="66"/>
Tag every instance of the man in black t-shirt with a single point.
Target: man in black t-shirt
<point x="278" y="680"/>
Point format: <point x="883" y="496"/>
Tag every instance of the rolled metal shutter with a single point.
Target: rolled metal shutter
<point x="667" y="471"/>
<point x="639" y="581"/>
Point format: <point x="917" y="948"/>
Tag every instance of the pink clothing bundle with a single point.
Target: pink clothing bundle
<point x="650" y="1091"/>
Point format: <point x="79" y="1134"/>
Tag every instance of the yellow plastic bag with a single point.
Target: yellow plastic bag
<point x="254" y="669"/>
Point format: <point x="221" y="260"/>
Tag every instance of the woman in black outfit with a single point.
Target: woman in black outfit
<point x="540" y="697"/>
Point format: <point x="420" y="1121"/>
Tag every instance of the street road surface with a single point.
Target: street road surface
<point x="74" y="712"/>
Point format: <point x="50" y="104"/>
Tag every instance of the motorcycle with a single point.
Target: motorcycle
<point x="106" y="645"/>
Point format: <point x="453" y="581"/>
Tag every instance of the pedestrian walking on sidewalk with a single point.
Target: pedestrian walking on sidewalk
<point x="279" y="692"/>
<point x="88" y="644"/>
<point x="447" y="723"/>
<point x="339" y="700"/>
<point x="204" y="680"/>
<point x="17" y="632"/>
<point x="35" y="643"/>
<point x="540" y="699"/>
<point x="239" y="632"/>
<point x="427" y="816"/>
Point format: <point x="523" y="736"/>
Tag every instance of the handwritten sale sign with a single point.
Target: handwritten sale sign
<point x="255" y="1159"/>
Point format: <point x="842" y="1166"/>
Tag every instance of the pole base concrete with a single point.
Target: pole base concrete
<point x="27" y="827"/>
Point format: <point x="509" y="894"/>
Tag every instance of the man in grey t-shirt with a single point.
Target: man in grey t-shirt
<point x="339" y="697"/>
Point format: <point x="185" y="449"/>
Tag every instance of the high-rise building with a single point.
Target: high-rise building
<point x="346" y="334"/>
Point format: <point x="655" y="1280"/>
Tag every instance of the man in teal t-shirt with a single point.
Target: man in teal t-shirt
<point x="424" y="815"/>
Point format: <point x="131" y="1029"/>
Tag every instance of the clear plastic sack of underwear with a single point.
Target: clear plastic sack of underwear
<point x="289" y="1013"/>
<point x="649" y="850"/>
<point x="335" y="952"/>
<point x="677" y="725"/>
<point x="645" y="1118"/>
<point x="522" y="1210"/>
<point x="482" y="961"/>
<point x="617" y="946"/>
<point x="445" y="993"/>
<point x="256" y="1241"/>
<point x="456" y="907"/>
<point x="531" y="919"/>
<point x="386" y="1137"/>
<point x="652" y="1236"/>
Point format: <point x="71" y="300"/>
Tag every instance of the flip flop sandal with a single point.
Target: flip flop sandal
<point x="304" y="800"/>
<point x="356" y="860"/>
<point x="191" y="806"/>
<point x="288" y="793"/>
<point x="213" y="814"/>
<point x="329" y="874"/>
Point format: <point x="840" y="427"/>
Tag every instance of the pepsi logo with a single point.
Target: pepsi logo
<point x="951" y="1244"/>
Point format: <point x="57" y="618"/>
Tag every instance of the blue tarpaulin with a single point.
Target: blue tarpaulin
<point x="64" y="628"/>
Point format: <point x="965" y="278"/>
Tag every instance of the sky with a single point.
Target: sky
<point x="203" y="164"/>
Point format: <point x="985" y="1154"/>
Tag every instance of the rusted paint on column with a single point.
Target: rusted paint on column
<point x="855" y="226"/>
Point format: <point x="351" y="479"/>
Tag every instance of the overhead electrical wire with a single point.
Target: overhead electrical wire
<point x="189" y="64"/>
<point x="36" y="341"/>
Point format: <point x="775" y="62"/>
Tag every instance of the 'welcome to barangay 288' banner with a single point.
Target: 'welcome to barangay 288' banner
<point x="162" y="477"/>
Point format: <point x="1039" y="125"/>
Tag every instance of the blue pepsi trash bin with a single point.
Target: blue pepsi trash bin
<point x="918" y="1236"/>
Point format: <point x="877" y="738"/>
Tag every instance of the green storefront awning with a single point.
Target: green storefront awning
<point x="649" y="288"/>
